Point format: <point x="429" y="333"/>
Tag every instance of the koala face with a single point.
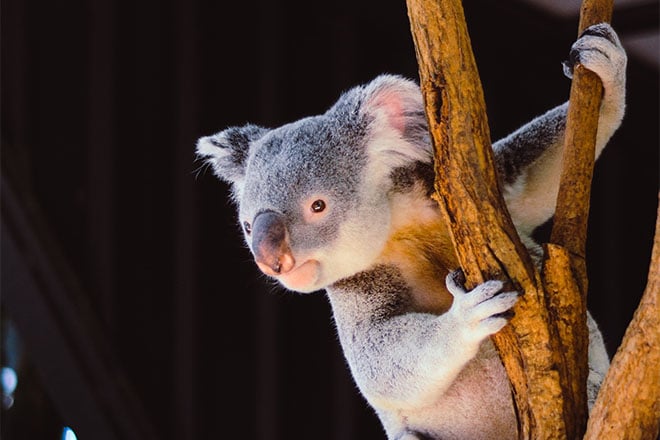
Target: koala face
<point x="312" y="224"/>
<point x="313" y="195"/>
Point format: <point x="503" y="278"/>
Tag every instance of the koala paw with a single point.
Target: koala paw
<point x="482" y="311"/>
<point x="599" y="50"/>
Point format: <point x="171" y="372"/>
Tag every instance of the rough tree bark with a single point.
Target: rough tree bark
<point x="483" y="234"/>
<point x="544" y="349"/>
<point x="564" y="267"/>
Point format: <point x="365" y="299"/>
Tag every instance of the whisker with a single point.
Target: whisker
<point x="199" y="171"/>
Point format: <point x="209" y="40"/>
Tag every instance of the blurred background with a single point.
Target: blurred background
<point x="130" y="307"/>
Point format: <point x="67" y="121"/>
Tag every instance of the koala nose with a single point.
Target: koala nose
<point x="270" y="244"/>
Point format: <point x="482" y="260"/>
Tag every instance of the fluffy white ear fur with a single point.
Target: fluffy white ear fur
<point x="398" y="134"/>
<point x="393" y="98"/>
<point x="227" y="151"/>
<point x="218" y="156"/>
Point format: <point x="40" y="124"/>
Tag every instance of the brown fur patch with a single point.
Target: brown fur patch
<point x="424" y="254"/>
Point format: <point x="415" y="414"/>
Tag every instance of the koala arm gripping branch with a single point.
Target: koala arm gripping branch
<point x="402" y="360"/>
<point x="529" y="160"/>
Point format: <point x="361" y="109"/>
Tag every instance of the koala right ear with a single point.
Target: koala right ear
<point x="228" y="150"/>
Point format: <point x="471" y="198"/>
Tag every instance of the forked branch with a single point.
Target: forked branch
<point x="545" y="358"/>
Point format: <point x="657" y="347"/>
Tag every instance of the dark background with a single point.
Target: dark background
<point x="156" y="324"/>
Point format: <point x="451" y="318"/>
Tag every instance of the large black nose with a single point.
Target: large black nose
<point x="270" y="244"/>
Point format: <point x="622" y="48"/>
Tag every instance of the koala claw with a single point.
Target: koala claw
<point x="485" y="309"/>
<point x="598" y="49"/>
<point x="602" y="30"/>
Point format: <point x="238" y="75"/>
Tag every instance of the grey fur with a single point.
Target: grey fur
<point x="524" y="146"/>
<point x="428" y="374"/>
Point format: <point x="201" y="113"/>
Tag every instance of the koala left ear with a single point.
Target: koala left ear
<point x="395" y="99"/>
<point x="398" y="123"/>
<point x="227" y="151"/>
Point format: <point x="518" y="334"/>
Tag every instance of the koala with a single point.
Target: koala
<point x="342" y="202"/>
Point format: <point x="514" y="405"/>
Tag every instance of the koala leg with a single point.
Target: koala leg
<point x="599" y="361"/>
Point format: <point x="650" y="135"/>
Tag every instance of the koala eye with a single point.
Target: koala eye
<point x="318" y="206"/>
<point x="247" y="227"/>
<point x="315" y="208"/>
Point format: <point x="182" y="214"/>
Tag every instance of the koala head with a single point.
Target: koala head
<point x="313" y="196"/>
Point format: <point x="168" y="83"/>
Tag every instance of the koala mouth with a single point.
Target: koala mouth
<point x="303" y="278"/>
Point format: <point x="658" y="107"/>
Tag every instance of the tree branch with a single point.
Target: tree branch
<point x="570" y="224"/>
<point x="564" y="267"/>
<point x="482" y="232"/>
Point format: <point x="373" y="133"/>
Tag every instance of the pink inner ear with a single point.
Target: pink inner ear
<point x="390" y="103"/>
